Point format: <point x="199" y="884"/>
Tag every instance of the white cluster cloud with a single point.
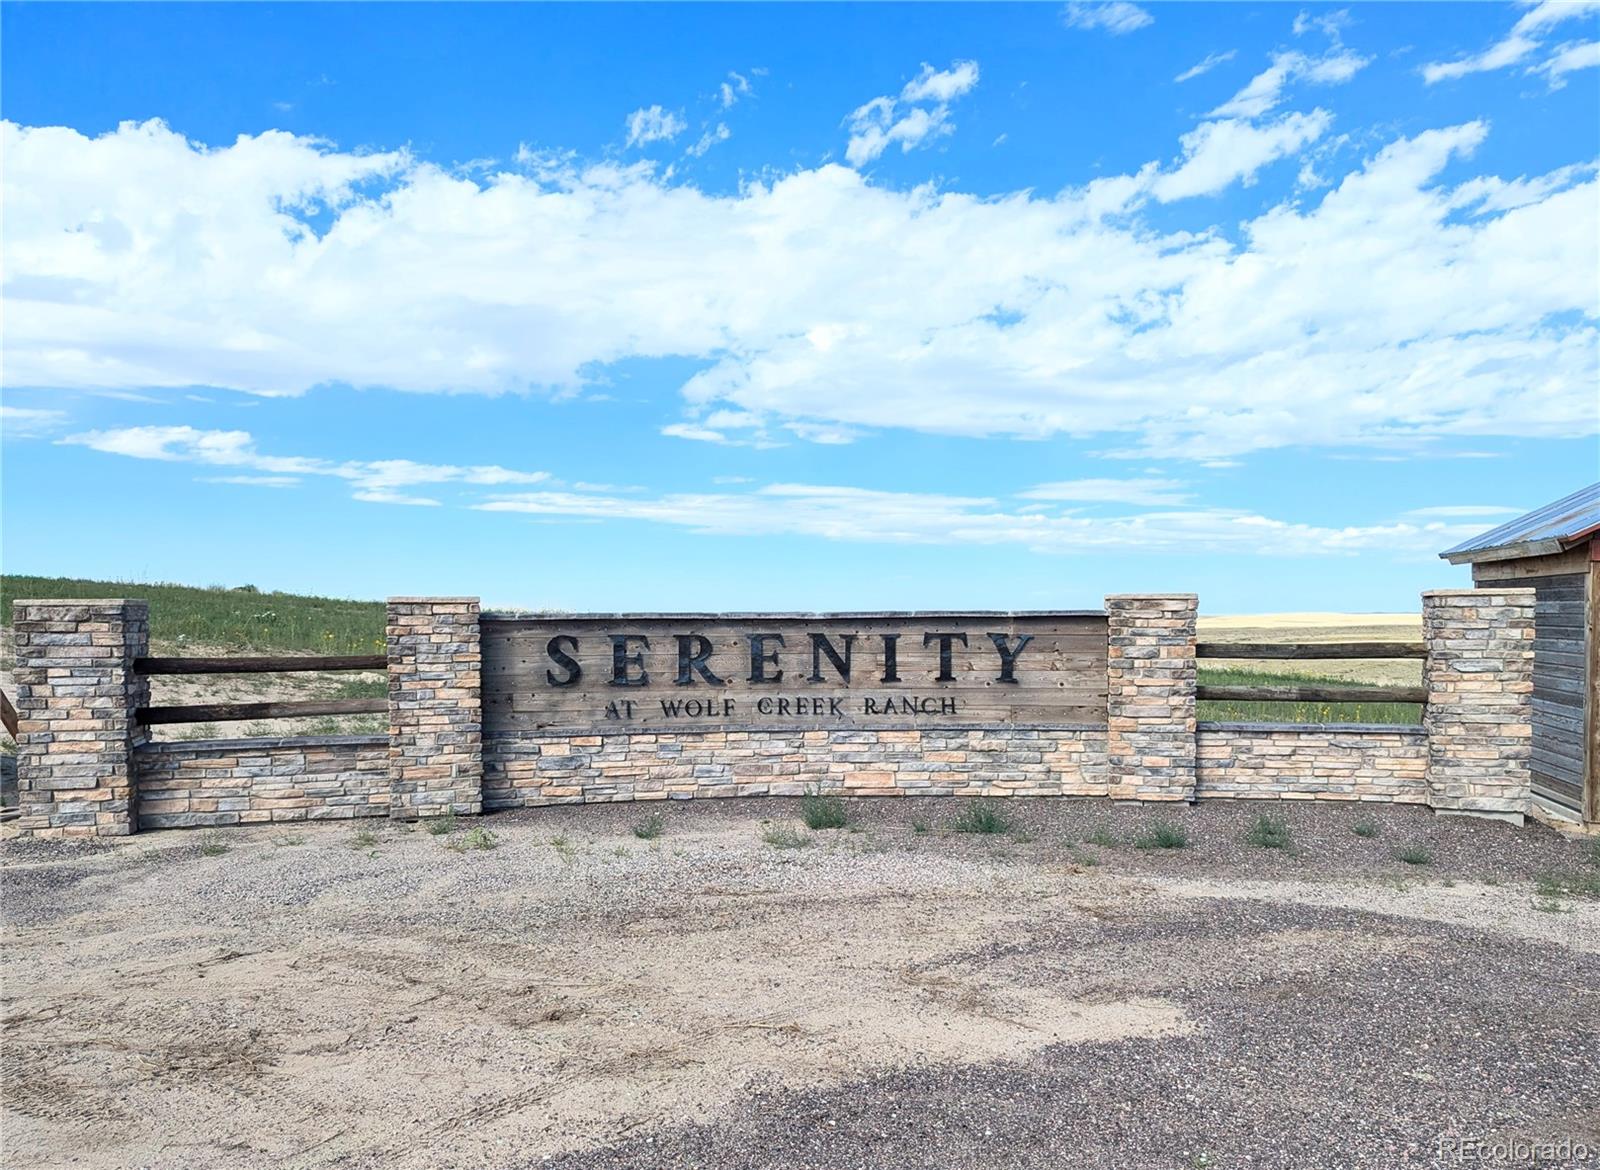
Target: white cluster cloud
<point x="731" y="90"/>
<point x="885" y="517"/>
<point x="1218" y="154"/>
<point x="1526" y="39"/>
<point x="1035" y="518"/>
<point x="920" y="114"/>
<point x="1212" y="60"/>
<point x="377" y="482"/>
<point x="818" y="304"/>
<point x="22" y="422"/>
<point x="712" y="136"/>
<point x="1116" y="17"/>
<point x="1266" y="89"/>
<point x="654" y="124"/>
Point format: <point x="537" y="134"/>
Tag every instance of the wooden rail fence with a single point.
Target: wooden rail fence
<point x="282" y="709"/>
<point x="1331" y="692"/>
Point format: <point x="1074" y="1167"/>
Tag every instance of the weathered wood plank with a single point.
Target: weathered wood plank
<point x="775" y="671"/>
<point x="273" y="665"/>
<point x="8" y="715"/>
<point x="1314" y="694"/>
<point x="1589" y="798"/>
<point x="1310" y="650"/>
<point x="1559" y="766"/>
<point x="287" y="709"/>
<point x="1553" y="788"/>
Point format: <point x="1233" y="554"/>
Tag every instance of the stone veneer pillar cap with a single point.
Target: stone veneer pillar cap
<point x="1152" y="597"/>
<point x="430" y="598"/>
<point x="1486" y="591"/>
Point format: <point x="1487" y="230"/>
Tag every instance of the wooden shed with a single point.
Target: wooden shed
<point x="1555" y="550"/>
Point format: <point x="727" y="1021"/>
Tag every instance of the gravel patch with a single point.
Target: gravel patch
<point x="894" y="993"/>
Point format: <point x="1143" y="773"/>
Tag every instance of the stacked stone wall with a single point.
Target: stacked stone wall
<point x="523" y="770"/>
<point x="435" y="706"/>
<point x="86" y="768"/>
<point x="1151" y="679"/>
<point x="1350" y="761"/>
<point x="76" y="697"/>
<point x="1479" y="716"/>
<point x="260" y="781"/>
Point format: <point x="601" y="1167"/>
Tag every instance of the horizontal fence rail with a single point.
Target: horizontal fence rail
<point x="1313" y="694"/>
<point x="1331" y="692"/>
<point x="279" y="665"/>
<point x="288" y="709"/>
<point x="1311" y="650"/>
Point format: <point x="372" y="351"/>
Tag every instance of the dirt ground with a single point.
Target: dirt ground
<point x="892" y="994"/>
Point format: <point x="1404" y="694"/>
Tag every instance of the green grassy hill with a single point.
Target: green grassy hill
<point x="238" y="619"/>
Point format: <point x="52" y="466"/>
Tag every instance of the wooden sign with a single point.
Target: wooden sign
<point x="642" y="672"/>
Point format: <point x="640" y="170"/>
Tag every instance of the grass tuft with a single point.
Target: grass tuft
<point x="363" y="839"/>
<point x="1103" y="837"/>
<point x="213" y="846"/>
<point x="783" y="837"/>
<point x="650" y="827"/>
<point x="919" y="826"/>
<point x="982" y="816"/>
<point x="1163" y="835"/>
<point x="823" y="812"/>
<point x="479" y="838"/>
<point x="1365" y="827"/>
<point x="1415" y="855"/>
<point x="441" y="826"/>
<point x="1270" y="832"/>
<point x="1568" y="884"/>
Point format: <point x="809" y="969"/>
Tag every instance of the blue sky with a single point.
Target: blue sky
<point x="796" y="307"/>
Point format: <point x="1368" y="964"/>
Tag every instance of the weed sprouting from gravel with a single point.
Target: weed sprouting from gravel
<point x="1568" y="884"/>
<point x="1084" y="858"/>
<point x="473" y="839"/>
<point x="1415" y="855"/>
<point x="650" y="827"/>
<point x="1270" y="832"/>
<point x="823" y="812"/>
<point x="783" y="837"/>
<point x="1365" y="827"/>
<point x="1103" y="837"/>
<point x="441" y="826"/>
<point x="920" y="826"/>
<point x="1163" y="835"/>
<point x="213" y="846"/>
<point x="363" y="839"/>
<point x="982" y="816"/>
<point x="288" y="839"/>
<point x="564" y="848"/>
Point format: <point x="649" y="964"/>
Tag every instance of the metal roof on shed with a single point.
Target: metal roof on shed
<point x="1543" y="531"/>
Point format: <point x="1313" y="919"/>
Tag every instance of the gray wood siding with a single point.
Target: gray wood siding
<point x="1559" y="687"/>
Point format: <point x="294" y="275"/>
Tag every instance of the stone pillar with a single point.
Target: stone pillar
<point x="1150" y="665"/>
<point x="76" y="697"/>
<point x="1479" y="717"/>
<point x="435" y="707"/>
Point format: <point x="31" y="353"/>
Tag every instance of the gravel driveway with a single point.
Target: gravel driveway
<point x="891" y="994"/>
